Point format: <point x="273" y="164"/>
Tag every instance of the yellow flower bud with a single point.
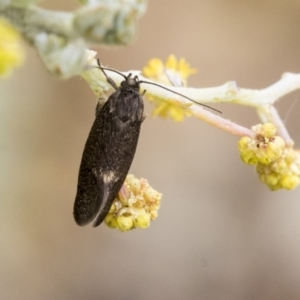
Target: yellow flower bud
<point x="290" y="156"/>
<point x="142" y="221"/>
<point x="135" y="185"/>
<point x="249" y="158"/>
<point x="262" y="177"/>
<point x="11" y="51"/>
<point x="289" y="182"/>
<point x="125" y="223"/>
<point x="263" y="158"/>
<point x="150" y="195"/>
<point x="271" y="179"/>
<point x="154" y="69"/>
<point x="280" y="166"/>
<point x="112" y="209"/>
<point x="273" y="151"/>
<point x="111" y="221"/>
<point x="268" y="130"/>
<point x="243" y="143"/>
<point x="153" y="214"/>
<point x="279" y="142"/>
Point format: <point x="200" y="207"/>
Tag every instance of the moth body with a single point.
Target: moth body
<point x="108" y="152"/>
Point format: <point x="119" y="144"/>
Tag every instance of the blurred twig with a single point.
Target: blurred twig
<point x="62" y="37"/>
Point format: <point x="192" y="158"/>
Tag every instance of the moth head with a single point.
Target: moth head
<point x="132" y="82"/>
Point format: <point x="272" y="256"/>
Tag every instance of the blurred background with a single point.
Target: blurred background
<point x="220" y="233"/>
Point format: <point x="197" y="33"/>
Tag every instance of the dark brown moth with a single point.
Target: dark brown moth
<point x="109" y="150"/>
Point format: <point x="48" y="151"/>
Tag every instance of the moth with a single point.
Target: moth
<point x="109" y="150"/>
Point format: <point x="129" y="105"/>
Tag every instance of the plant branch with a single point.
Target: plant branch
<point x="97" y="81"/>
<point x="61" y="38"/>
<point x="227" y="93"/>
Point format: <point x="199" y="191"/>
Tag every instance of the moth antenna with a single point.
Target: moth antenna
<point x="216" y="110"/>
<point x="109" y="69"/>
<point x="108" y="79"/>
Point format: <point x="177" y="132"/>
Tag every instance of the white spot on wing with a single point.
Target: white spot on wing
<point x="109" y="176"/>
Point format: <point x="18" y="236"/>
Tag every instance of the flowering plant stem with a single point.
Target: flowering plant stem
<point x="262" y="100"/>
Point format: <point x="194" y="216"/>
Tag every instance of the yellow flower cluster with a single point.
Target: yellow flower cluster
<point x="174" y="72"/>
<point x="136" y="205"/>
<point x="265" y="149"/>
<point x="11" y="52"/>
<point x="284" y="173"/>
<point x="278" y="166"/>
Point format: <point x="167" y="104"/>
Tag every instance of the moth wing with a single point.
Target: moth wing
<point x="92" y="188"/>
<point x="107" y="156"/>
<point x="87" y="201"/>
<point x="105" y="207"/>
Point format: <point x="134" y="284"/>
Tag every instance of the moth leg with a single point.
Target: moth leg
<point x="108" y="79"/>
<point x="144" y="92"/>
